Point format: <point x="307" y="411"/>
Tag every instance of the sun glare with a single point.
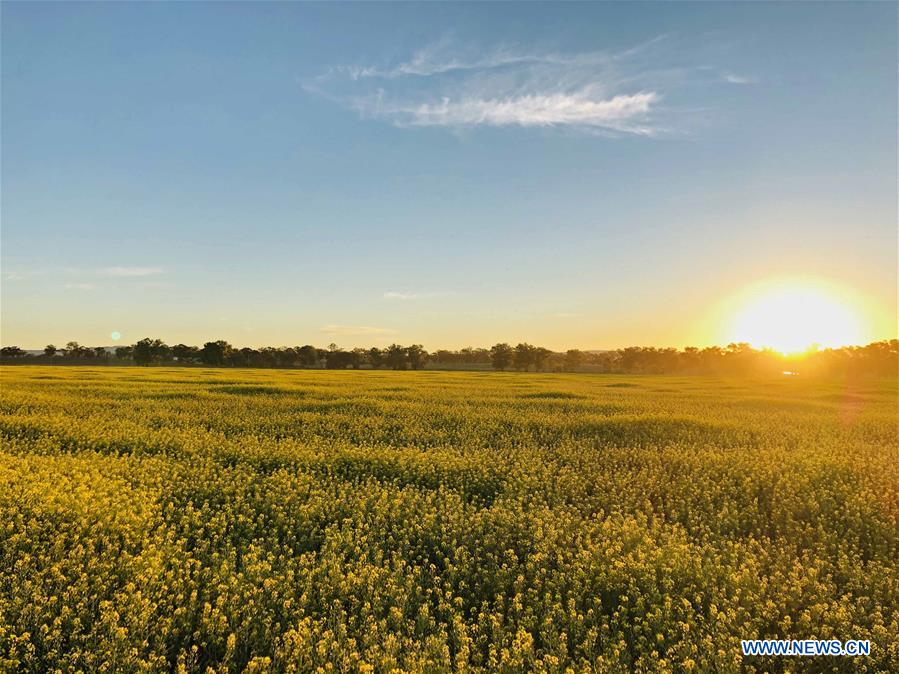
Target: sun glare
<point x="792" y="318"/>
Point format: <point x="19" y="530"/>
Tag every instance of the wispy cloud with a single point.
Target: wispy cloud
<point x="615" y="93"/>
<point x="79" y="286"/>
<point x="403" y="296"/>
<point x="622" y="113"/>
<point x="129" y="271"/>
<point x="356" y="331"/>
<point x="732" y="78"/>
<point x="392" y="295"/>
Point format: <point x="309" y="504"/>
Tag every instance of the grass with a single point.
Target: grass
<point x="250" y="520"/>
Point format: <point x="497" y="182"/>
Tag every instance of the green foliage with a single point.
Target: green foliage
<point x="209" y="520"/>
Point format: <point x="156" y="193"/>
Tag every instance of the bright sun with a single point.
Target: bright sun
<point x="793" y="317"/>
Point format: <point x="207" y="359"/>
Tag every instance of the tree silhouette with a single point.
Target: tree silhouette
<point x="573" y="359"/>
<point x="216" y="353"/>
<point x="376" y="357"/>
<point x="308" y="356"/>
<point x="524" y="356"/>
<point x="396" y="357"/>
<point x="417" y="356"/>
<point x="148" y="351"/>
<point x="501" y="356"/>
<point x="185" y="354"/>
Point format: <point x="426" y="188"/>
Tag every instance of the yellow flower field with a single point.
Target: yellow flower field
<point x="193" y="520"/>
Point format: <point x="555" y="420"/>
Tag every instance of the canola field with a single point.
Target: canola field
<point x="193" y="520"/>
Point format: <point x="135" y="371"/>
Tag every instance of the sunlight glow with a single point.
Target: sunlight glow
<point x="795" y="317"/>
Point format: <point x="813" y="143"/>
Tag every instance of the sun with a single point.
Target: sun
<point x="792" y="317"/>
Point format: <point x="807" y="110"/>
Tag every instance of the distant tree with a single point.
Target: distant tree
<point x="501" y="356"/>
<point x="336" y="359"/>
<point x="446" y="356"/>
<point x="148" y="351"/>
<point x="573" y="359"/>
<point x="359" y="356"/>
<point x="307" y="356"/>
<point x="272" y="357"/>
<point x="185" y="354"/>
<point x="396" y="357"/>
<point x="417" y="356"/>
<point x="124" y="352"/>
<point x="74" y="350"/>
<point x="539" y="356"/>
<point x="12" y="352"/>
<point x="50" y="350"/>
<point x="689" y="360"/>
<point x="245" y="357"/>
<point x="142" y="351"/>
<point x="100" y="352"/>
<point x="216" y="353"/>
<point x="376" y="357"/>
<point x="524" y="356"/>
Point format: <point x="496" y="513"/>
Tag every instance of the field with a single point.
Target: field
<point x="157" y="519"/>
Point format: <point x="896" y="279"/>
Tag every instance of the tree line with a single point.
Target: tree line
<point x="878" y="358"/>
<point x="222" y="354"/>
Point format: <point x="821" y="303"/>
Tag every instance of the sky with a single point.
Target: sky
<point x="573" y="175"/>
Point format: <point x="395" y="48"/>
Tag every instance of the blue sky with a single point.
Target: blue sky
<point x="574" y="175"/>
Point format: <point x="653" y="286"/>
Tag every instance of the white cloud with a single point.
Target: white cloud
<point x="732" y="78"/>
<point x="424" y="64"/>
<point x="80" y="286"/>
<point x="445" y="85"/>
<point x="623" y="113"/>
<point x="356" y="330"/>
<point x="391" y="295"/>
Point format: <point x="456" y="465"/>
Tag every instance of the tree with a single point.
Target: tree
<point x="272" y="357"/>
<point x="245" y="357"/>
<point x="12" y="352"/>
<point x="396" y="357"/>
<point x="50" y="350"/>
<point x="185" y="354"/>
<point x="359" y="356"/>
<point x="524" y="356"/>
<point x="124" y="352"/>
<point x="216" y="353"/>
<point x="142" y="351"/>
<point x="100" y="351"/>
<point x="501" y="356"/>
<point x="376" y="357"/>
<point x="148" y="351"/>
<point x="75" y="350"/>
<point x="417" y="356"/>
<point x="335" y="359"/>
<point x="573" y="359"/>
<point x="307" y="356"/>
<point x="539" y="356"/>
